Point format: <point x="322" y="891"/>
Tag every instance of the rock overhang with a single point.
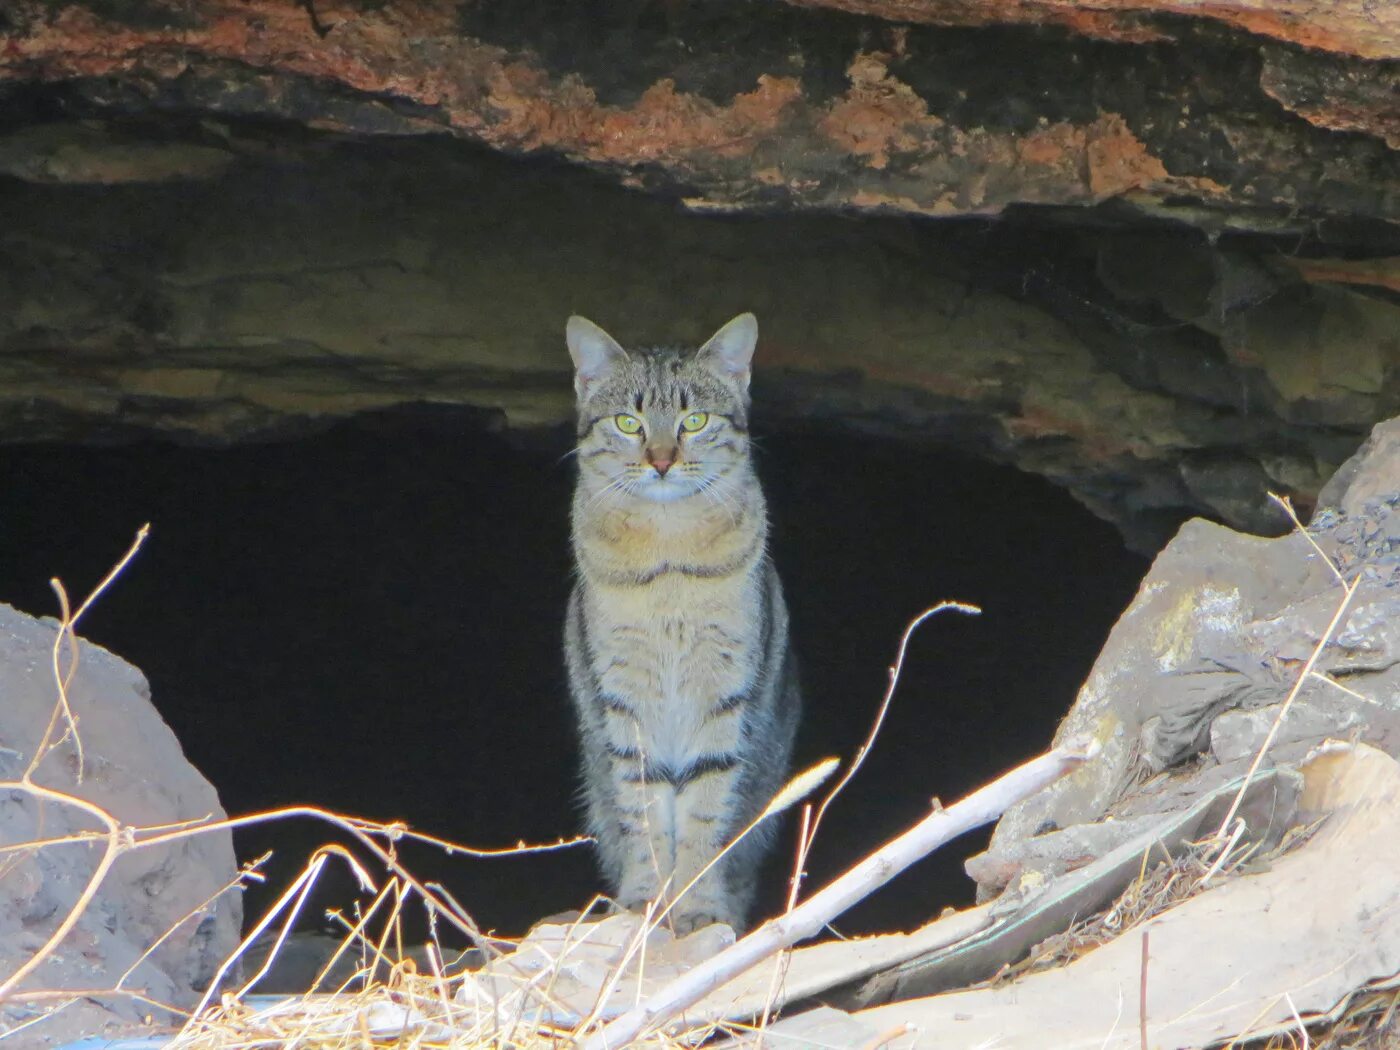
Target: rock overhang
<point x="1144" y="254"/>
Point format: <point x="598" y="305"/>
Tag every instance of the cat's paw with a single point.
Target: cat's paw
<point x="686" y="922"/>
<point x="636" y="903"/>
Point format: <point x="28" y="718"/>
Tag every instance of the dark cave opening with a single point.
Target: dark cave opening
<point x="369" y="619"/>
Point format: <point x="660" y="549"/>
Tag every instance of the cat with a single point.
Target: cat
<point x="676" y="638"/>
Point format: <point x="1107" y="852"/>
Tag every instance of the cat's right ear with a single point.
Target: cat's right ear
<point x="595" y="353"/>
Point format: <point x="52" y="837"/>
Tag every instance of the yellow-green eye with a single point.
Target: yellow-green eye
<point x="695" y="421"/>
<point x="628" y="424"/>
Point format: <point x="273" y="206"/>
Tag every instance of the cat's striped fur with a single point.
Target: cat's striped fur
<point x="677" y="635"/>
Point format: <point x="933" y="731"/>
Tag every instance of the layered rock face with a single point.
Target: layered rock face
<point x="869" y="103"/>
<point x="1145" y="250"/>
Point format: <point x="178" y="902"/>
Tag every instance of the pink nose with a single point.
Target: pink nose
<point x="661" y="465"/>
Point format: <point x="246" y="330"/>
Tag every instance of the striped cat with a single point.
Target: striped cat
<point x="677" y="635"/>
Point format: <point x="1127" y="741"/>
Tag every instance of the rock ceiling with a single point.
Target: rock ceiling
<point x="1148" y="249"/>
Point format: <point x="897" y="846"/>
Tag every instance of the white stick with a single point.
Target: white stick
<point x="808" y="918"/>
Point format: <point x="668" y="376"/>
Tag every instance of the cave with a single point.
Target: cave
<point x="370" y="619"/>
<point x="353" y="591"/>
<point x="289" y="283"/>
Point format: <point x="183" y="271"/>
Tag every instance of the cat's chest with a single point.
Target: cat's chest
<point x="678" y="642"/>
<point x="635" y="546"/>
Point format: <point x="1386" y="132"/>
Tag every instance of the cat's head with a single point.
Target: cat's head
<point x="662" y="425"/>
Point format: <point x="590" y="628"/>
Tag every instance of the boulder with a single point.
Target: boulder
<point x="158" y="926"/>
<point x="1196" y="672"/>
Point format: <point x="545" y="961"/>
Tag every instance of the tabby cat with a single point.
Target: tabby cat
<point x="677" y="634"/>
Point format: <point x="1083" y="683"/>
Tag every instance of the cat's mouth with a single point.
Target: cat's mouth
<point x="665" y="488"/>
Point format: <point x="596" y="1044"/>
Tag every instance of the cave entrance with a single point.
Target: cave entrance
<point x="369" y="619"/>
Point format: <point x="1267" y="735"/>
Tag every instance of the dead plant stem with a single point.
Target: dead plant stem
<point x="1349" y="591"/>
<point x="808" y="918"/>
<point x="812" y="822"/>
<point x="109" y="855"/>
<point x="67" y="623"/>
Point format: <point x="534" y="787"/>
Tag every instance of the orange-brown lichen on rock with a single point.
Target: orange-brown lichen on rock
<point x="879" y="115"/>
<point x="732" y="139"/>
<point x="1105" y="25"/>
<point x="1332" y="94"/>
<point x="412" y="51"/>
<point x="1117" y="159"/>
<point x="667" y="123"/>
<point x="1363" y="28"/>
<point x="1374" y="273"/>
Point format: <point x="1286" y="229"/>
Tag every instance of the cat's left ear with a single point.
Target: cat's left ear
<point x="731" y="348"/>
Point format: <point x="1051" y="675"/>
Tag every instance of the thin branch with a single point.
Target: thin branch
<point x="795" y="790"/>
<point x="296" y="891"/>
<point x="315" y="866"/>
<point x="392" y="831"/>
<point x="361" y="830"/>
<point x="808" y="918"/>
<point x="1349" y="591"/>
<point x="1287" y="506"/>
<point x="895" y="671"/>
<point x="243" y="873"/>
<point x="1142" y="994"/>
<point x="1302" y="1028"/>
<point x="354" y="935"/>
<point x="810" y="823"/>
<point x="62" y="679"/>
<point x="109" y="856"/>
<point x="138" y="995"/>
<point x="121" y="839"/>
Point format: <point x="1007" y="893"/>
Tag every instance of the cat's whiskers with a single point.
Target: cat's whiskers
<point x="707" y="490"/>
<point x="716" y="493"/>
<point x="618" y="483"/>
<point x="633" y="479"/>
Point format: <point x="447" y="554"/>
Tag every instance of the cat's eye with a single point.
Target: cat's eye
<point x="695" y="421"/>
<point x="628" y="424"/>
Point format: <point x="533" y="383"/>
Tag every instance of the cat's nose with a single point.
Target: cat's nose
<point x="660" y="464"/>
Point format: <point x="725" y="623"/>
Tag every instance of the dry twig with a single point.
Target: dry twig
<point x="118" y="838"/>
<point x="811" y="915"/>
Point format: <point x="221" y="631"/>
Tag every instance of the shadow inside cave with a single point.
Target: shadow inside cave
<point x="370" y="618"/>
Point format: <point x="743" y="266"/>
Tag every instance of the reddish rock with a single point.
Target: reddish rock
<point x="904" y="130"/>
<point x="1354" y="27"/>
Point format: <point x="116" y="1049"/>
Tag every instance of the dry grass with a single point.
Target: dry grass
<point x="393" y="997"/>
<point x="1154" y="891"/>
<point x="1369" y="1022"/>
<point x="1158" y="887"/>
<point x="117" y="838"/>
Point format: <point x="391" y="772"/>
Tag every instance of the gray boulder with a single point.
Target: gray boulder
<point x="1194" y="674"/>
<point x="133" y="767"/>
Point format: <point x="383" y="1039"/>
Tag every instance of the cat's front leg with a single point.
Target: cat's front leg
<point x="646" y="843"/>
<point x="704" y="810"/>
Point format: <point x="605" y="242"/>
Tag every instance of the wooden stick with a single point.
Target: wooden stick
<point x="857" y="883"/>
